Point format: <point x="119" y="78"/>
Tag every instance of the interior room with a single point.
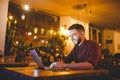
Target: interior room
<point x="43" y="25"/>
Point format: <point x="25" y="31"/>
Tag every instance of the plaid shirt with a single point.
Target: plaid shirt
<point x="88" y="51"/>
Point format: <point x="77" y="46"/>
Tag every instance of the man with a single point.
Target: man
<point x="86" y="53"/>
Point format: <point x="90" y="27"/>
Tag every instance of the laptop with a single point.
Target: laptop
<point x="41" y="65"/>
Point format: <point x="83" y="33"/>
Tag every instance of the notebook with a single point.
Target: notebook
<point x="41" y="65"/>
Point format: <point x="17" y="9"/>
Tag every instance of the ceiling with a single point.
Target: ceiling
<point x="100" y="13"/>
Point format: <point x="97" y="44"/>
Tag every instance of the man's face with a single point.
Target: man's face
<point x="75" y="36"/>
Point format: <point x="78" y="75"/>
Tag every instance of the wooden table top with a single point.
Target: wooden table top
<point x="43" y="74"/>
<point x="13" y="64"/>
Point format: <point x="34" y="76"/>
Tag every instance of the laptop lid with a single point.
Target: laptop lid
<point x="37" y="60"/>
<point x="40" y="64"/>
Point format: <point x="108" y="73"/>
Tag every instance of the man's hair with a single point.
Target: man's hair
<point x="76" y="26"/>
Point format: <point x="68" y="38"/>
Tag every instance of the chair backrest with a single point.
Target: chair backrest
<point x="117" y="58"/>
<point x="107" y="61"/>
<point x="117" y="55"/>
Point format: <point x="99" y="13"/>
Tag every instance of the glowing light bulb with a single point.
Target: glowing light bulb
<point x="29" y="33"/>
<point x="10" y="17"/>
<point x="35" y="37"/>
<point x="26" y="7"/>
<point x="23" y="17"/>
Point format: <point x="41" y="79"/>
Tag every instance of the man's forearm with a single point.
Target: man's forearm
<point x="81" y="65"/>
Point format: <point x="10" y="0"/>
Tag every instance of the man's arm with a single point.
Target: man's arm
<point x="81" y="65"/>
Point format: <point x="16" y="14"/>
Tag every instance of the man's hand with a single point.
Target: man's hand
<point x="57" y="65"/>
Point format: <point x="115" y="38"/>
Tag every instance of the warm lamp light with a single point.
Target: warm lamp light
<point x="26" y="7"/>
<point x="29" y="33"/>
<point x="51" y="31"/>
<point x="15" y="21"/>
<point x="43" y="41"/>
<point x="17" y="42"/>
<point x="35" y="30"/>
<point x="64" y="31"/>
<point x="10" y="17"/>
<point x="23" y="17"/>
<point x="35" y="37"/>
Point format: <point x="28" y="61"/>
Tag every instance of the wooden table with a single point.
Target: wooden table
<point x="13" y="64"/>
<point x="34" y="74"/>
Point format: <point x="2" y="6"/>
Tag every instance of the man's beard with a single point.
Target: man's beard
<point x="76" y="42"/>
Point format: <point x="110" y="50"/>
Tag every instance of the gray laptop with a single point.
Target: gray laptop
<point x="36" y="58"/>
<point x="41" y="65"/>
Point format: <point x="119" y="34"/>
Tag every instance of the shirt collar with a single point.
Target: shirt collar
<point x="81" y="42"/>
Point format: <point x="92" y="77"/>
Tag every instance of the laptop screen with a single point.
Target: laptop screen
<point x="36" y="58"/>
<point x="40" y="64"/>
